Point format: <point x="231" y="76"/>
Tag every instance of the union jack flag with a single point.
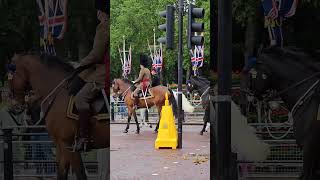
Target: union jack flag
<point x="270" y="9"/>
<point x="157" y="61"/>
<point x="53" y="21"/>
<point x="126" y="64"/>
<point x="197" y="58"/>
<point x="275" y="11"/>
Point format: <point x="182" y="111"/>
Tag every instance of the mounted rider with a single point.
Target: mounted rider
<point x="144" y="79"/>
<point x="155" y="78"/>
<point x="94" y="76"/>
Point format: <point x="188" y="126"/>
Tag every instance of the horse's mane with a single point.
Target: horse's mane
<point x="56" y="62"/>
<point x="202" y="81"/>
<point x="305" y="57"/>
<point x="126" y="80"/>
<point x="51" y="61"/>
<point x="295" y="53"/>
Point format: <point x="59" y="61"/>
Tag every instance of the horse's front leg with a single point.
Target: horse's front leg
<point x="63" y="162"/>
<point x="206" y="119"/>
<point x="78" y="167"/>
<point x="128" y="124"/>
<point x="129" y="119"/>
<point x="159" y="113"/>
<point x="137" y="123"/>
<point x="204" y="128"/>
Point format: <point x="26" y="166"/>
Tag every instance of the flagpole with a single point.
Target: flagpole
<point x="154" y="40"/>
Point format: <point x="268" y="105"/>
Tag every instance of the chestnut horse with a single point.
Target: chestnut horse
<point x="122" y="87"/>
<point x="42" y="75"/>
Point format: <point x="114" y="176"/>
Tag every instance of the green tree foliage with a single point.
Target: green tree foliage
<point x="249" y="31"/>
<point x="19" y="30"/>
<point x="135" y="20"/>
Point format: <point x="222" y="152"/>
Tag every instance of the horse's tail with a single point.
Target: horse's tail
<point x="173" y="103"/>
<point x="186" y="105"/>
<point x="244" y="139"/>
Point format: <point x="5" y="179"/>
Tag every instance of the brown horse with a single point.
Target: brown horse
<point x="42" y="75"/>
<point x="122" y="87"/>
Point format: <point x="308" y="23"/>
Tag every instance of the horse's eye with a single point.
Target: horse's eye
<point x="264" y="76"/>
<point x="253" y="73"/>
<point x="10" y="76"/>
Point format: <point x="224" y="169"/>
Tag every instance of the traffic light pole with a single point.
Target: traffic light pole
<point x="180" y="73"/>
<point x="224" y="158"/>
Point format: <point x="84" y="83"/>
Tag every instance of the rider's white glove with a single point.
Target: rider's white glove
<point x="133" y="82"/>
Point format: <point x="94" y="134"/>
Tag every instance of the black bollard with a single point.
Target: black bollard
<point x="7" y="154"/>
<point x="112" y="111"/>
<point x="234" y="166"/>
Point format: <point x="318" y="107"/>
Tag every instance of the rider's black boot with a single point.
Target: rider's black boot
<point x="83" y="140"/>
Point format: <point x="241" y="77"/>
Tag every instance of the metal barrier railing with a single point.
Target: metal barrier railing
<point x="33" y="155"/>
<point x="119" y="114"/>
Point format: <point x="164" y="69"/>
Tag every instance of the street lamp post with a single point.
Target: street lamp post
<point x="180" y="71"/>
<point x="224" y="165"/>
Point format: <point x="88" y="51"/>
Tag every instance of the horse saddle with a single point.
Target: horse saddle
<point x="143" y="93"/>
<point x="98" y="107"/>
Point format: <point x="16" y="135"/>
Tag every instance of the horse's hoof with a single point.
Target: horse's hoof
<point x="125" y="131"/>
<point x="138" y="132"/>
<point x="201" y="133"/>
<point x="150" y="126"/>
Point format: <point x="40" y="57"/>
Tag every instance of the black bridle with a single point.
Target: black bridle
<point x="269" y="97"/>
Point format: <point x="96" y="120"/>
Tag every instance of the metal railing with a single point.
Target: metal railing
<point x="119" y="114"/>
<point x="33" y="155"/>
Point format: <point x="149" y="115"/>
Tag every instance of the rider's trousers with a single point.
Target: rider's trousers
<point x="86" y="95"/>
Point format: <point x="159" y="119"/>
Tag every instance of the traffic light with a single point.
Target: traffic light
<point x="168" y="27"/>
<point x="193" y="26"/>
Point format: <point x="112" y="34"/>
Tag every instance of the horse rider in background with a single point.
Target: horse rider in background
<point x="155" y="78"/>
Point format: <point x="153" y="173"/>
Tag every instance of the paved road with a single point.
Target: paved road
<point x="133" y="157"/>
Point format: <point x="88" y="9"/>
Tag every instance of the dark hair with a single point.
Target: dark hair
<point x="103" y="5"/>
<point x="144" y="60"/>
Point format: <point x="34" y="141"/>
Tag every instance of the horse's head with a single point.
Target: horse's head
<point x="120" y="87"/>
<point x="259" y="80"/>
<point x="115" y="88"/>
<point x="190" y="86"/>
<point x="18" y="83"/>
<point x="196" y="83"/>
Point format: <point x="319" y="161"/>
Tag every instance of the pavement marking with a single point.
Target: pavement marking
<point x="155" y="174"/>
<point x="175" y="162"/>
<point x="198" y="149"/>
<point x="203" y="146"/>
<point x="165" y="167"/>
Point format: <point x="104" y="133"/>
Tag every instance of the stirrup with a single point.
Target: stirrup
<point x="75" y="146"/>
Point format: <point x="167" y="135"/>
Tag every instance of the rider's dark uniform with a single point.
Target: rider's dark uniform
<point x="155" y="80"/>
<point x="94" y="77"/>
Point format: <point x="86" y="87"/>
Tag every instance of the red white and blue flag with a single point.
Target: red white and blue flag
<point x="126" y="63"/>
<point x="157" y="60"/>
<point x="275" y="11"/>
<point x="197" y="58"/>
<point x="52" y="16"/>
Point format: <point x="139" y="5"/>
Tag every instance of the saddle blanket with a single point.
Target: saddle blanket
<point x="100" y="110"/>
